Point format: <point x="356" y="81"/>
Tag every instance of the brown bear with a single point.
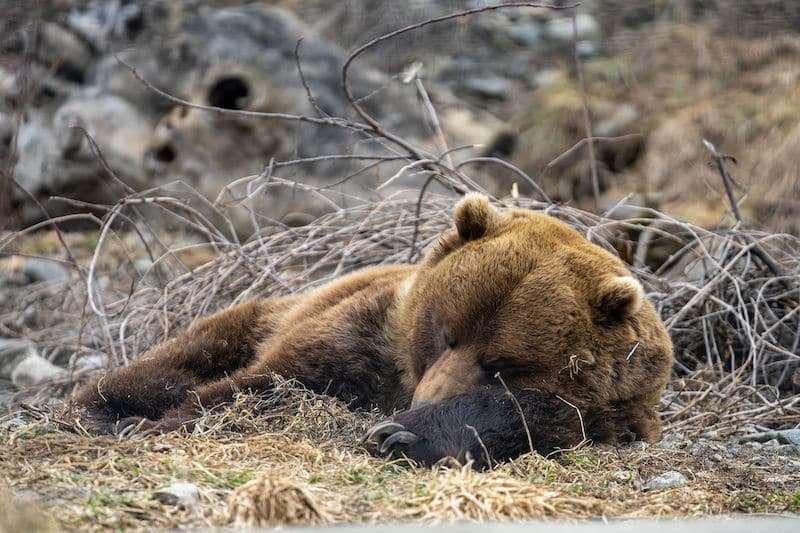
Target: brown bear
<point x="513" y="332"/>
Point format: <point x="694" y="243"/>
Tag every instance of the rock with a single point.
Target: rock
<point x="91" y="361"/>
<point x="12" y="352"/>
<point x="45" y="271"/>
<point x="734" y="452"/>
<point x="785" y="436"/>
<point x="13" y="423"/>
<point x="56" y="160"/>
<point x="118" y="128"/>
<point x="99" y="20"/>
<point x="560" y="29"/>
<point x="183" y="495"/>
<point x="35" y="369"/>
<point x="526" y="34"/>
<point x="788" y="450"/>
<point x="667" y="480"/>
<point x="789" y="436"/>
<point x="545" y="77"/>
<point x="620" y="122"/>
<point x="494" y="87"/>
<point x="672" y="441"/>
<point x="65" y="50"/>
<point x="587" y="48"/>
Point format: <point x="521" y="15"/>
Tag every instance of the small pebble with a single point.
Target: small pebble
<point x="183" y="495"/>
<point x="667" y="480"/>
<point x="46" y="271"/>
<point x="13" y="423"/>
<point x="33" y="370"/>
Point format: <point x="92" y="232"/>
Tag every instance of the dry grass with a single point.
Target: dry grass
<point x="268" y="471"/>
<point x="741" y="94"/>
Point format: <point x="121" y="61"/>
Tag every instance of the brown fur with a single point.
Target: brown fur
<point x="514" y="292"/>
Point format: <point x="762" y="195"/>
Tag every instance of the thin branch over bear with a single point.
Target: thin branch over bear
<point x="509" y="294"/>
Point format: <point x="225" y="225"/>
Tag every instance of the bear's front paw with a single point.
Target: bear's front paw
<point x="389" y="437"/>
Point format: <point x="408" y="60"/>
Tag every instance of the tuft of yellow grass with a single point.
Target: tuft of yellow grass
<point x="455" y="495"/>
<point x="271" y="500"/>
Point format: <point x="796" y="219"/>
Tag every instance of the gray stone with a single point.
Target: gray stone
<point x="587" y="48"/>
<point x="13" y="423"/>
<point x="545" y="77"/>
<point x="12" y="351"/>
<point x="526" y="34"/>
<point x="183" y="495"/>
<point x="667" y="480"/>
<point x="91" y="361"/>
<point x="789" y="436"/>
<point x="33" y="370"/>
<point x="785" y="436"/>
<point x="45" y="271"/>
<point x="63" y="48"/>
<point x="788" y="450"/>
<point x="560" y="29"/>
<point x="490" y="87"/>
<point x="620" y="122"/>
<point x="672" y="441"/>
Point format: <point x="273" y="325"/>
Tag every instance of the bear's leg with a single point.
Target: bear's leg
<point x="486" y="427"/>
<point x="220" y="344"/>
<point x="209" y="395"/>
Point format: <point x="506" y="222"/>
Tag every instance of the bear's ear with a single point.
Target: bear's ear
<point x="619" y="297"/>
<point x="474" y="216"/>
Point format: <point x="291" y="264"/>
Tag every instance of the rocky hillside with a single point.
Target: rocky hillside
<point x="504" y="80"/>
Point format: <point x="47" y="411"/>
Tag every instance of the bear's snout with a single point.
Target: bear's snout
<point x="457" y="371"/>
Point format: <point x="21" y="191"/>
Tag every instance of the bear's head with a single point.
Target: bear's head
<point x="519" y="298"/>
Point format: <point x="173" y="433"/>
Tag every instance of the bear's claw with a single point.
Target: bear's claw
<point x="380" y="430"/>
<point x="401" y="437"/>
<point x="125" y="427"/>
<point x="388" y="436"/>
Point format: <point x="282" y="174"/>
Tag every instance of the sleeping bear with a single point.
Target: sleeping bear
<point x="514" y="333"/>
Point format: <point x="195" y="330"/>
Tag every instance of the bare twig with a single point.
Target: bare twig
<point x="587" y="121"/>
<point x="727" y="180"/>
<point x="580" y="416"/>
<point x="518" y="407"/>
